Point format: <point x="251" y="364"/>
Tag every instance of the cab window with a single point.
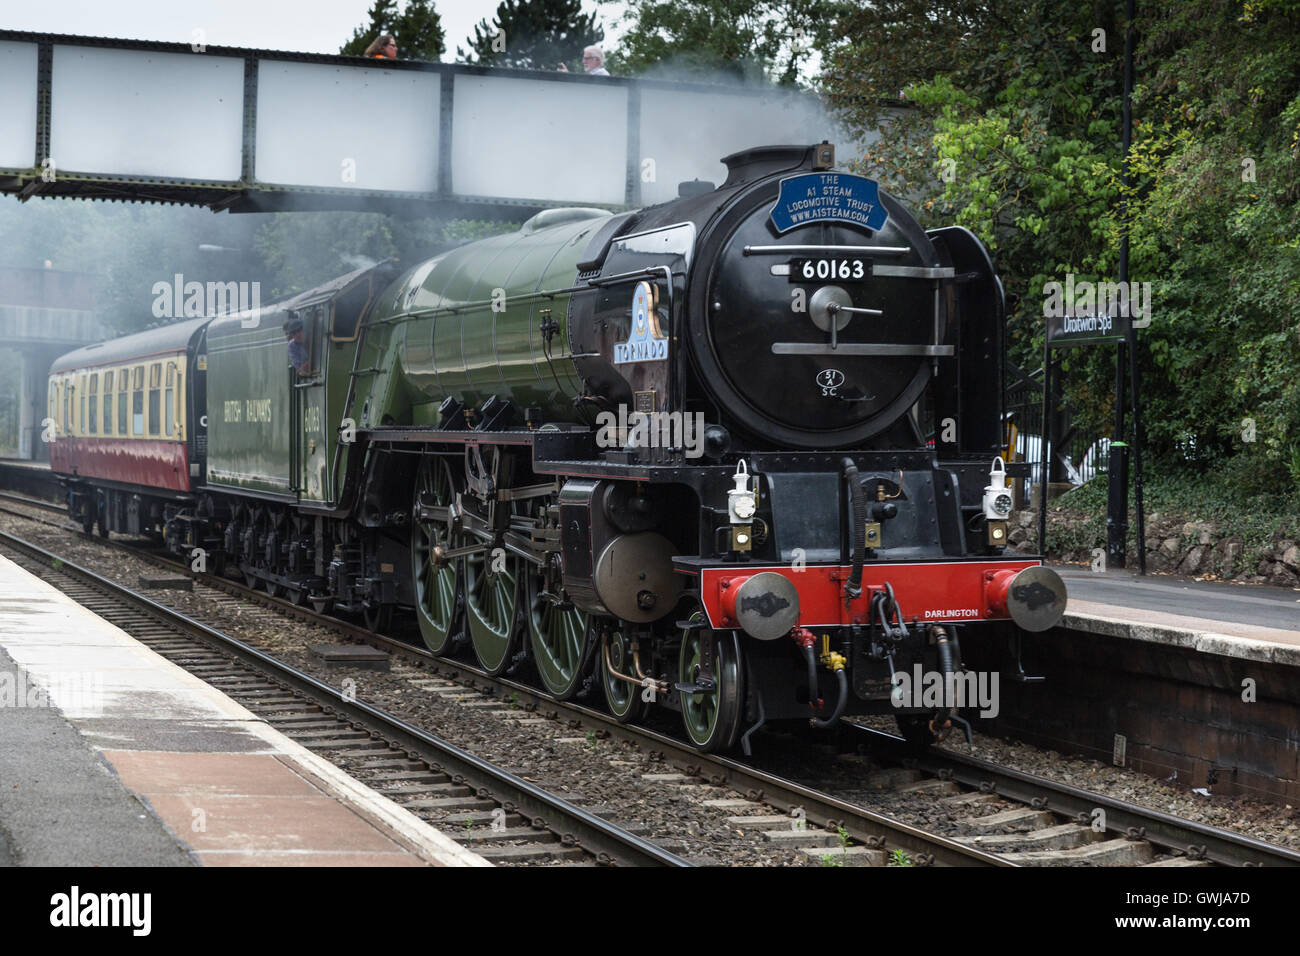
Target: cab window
<point x="347" y="311"/>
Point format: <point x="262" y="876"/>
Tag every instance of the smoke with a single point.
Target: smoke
<point x="358" y="262"/>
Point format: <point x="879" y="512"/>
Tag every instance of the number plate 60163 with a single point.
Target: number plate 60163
<point x="830" y="269"/>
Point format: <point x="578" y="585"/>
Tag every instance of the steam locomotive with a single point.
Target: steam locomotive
<point x="675" y="456"/>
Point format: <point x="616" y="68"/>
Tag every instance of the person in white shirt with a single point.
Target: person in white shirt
<point x="593" y="61"/>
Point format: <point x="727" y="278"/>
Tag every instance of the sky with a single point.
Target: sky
<point x="300" y="26"/>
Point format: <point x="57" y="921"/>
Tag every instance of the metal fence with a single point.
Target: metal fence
<point x="1077" y="455"/>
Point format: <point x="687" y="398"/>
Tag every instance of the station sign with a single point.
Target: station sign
<point x="1069" y="329"/>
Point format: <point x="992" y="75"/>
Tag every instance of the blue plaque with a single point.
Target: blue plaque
<point x="828" y="197"/>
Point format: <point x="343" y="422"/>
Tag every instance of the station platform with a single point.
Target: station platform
<point x="1249" y="622"/>
<point x="110" y="755"/>
<point x="32" y="478"/>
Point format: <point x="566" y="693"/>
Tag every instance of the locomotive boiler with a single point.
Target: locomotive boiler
<point x="677" y="457"/>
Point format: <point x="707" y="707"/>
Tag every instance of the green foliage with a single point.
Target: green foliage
<point x="899" y="858"/>
<point x="1241" y="502"/>
<point x="1220" y="234"/>
<point x="533" y="35"/>
<point x="750" y="40"/>
<point x="1012" y="129"/>
<point x="418" y="30"/>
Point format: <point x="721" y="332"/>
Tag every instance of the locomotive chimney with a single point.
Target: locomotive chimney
<point x="750" y="164"/>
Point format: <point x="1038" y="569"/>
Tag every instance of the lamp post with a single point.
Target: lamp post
<point x="1117" y="496"/>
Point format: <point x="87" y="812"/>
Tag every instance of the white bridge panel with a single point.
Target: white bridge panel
<point x="686" y="132"/>
<point x="346" y="127"/>
<point x="519" y="139"/>
<point x="147" y="113"/>
<point x="17" y="105"/>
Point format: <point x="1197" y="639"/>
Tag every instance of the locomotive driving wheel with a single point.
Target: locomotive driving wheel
<point x="712" y="714"/>
<point x="492" y="606"/>
<point x="436" y="582"/>
<point x="625" y="699"/>
<point x="558" y="634"/>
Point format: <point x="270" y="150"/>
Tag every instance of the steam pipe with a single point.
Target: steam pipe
<point x="840" y="703"/>
<point x="857" y="527"/>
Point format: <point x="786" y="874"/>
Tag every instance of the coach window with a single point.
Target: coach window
<point x="52" y="403"/>
<point x="66" y="387"/>
<point x="155" y="398"/>
<point x="137" y="400"/>
<point x="122" y="379"/>
<point x="80" y="414"/>
<point x="92" y="421"/>
<point x="169" y="400"/>
<point x="108" y="403"/>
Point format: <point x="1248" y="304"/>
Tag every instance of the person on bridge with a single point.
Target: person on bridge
<point x="299" y="357"/>
<point x="384" y="47"/>
<point x="593" y="61"/>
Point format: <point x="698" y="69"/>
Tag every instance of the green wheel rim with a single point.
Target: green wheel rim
<point x="559" y="641"/>
<point x="624" y="699"/>
<point x="435" y="587"/>
<point x="710" y="719"/>
<point x="492" y="605"/>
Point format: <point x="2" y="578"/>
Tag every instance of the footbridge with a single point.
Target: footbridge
<point x="260" y="130"/>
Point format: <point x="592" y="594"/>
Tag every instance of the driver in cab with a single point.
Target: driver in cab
<point x="299" y="357"/>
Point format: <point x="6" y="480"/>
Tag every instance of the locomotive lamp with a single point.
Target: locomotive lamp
<point x="997" y="503"/>
<point x="742" y="505"/>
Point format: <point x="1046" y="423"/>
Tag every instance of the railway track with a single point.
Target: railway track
<point x="504" y="818"/>
<point x="32" y="502"/>
<point x="1068" y="824"/>
<point x="1052" y="819"/>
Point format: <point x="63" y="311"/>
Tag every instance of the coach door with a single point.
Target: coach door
<point x="195" y="392"/>
<point x="309" y="443"/>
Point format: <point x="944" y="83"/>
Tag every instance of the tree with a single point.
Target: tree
<point x="751" y="40"/>
<point x="533" y="35"/>
<point x="1004" y="117"/>
<point x="418" y="29"/>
